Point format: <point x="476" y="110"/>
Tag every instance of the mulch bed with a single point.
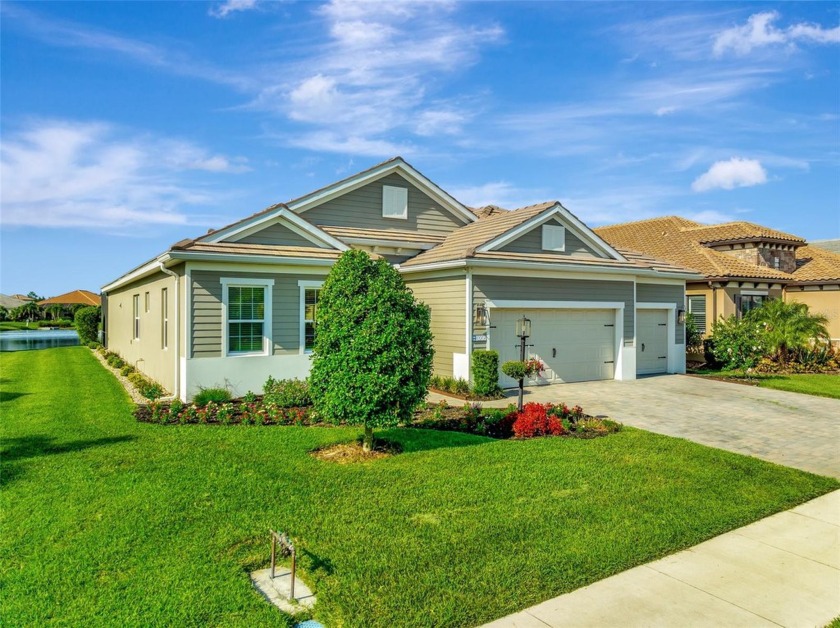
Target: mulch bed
<point x="346" y="453"/>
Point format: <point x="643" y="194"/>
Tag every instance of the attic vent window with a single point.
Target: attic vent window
<point x="394" y="202"/>
<point x="553" y="238"/>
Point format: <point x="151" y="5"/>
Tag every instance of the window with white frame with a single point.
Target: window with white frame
<point x="309" y="294"/>
<point x="164" y="316"/>
<point x="697" y="308"/>
<point x="136" y="314"/>
<point x="247" y="308"/>
<point x="394" y="202"/>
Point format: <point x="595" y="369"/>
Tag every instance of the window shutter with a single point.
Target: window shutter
<point x="394" y="202"/>
<point x="697" y="307"/>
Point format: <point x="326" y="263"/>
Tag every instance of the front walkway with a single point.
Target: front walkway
<point x="791" y="429"/>
<point x="781" y="571"/>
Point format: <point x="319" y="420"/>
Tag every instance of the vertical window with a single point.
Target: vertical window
<point x="146" y="303"/>
<point x="310" y="317"/>
<point x="247" y="316"/>
<point x="136" y="313"/>
<point x="745" y="303"/>
<point x="697" y="307"/>
<point x="164" y="315"/>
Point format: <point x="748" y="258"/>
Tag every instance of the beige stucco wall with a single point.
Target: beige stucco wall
<point x="147" y="353"/>
<point x="447" y="298"/>
<point x="826" y="302"/>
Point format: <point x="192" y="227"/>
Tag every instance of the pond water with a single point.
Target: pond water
<point x="38" y="339"/>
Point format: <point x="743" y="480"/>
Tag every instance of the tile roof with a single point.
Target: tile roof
<point x="679" y="241"/>
<point x="462" y="242"/>
<point x="83" y="297"/>
<point x="390" y="235"/>
<point x="10" y="302"/>
<point x="816" y="264"/>
<point x="828" y="245"/>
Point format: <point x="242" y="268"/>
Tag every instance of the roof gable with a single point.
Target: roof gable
<point x="276" y="223"/>
<point x="553" y="213"/>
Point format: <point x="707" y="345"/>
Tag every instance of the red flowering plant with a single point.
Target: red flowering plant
<point x="534" y="367"/>
<point x="535" y="420"/>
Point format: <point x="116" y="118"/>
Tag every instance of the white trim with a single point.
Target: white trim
<point x="303" y="284"/>
<point x="188" y="318"/>
<point x="274" y="260"/>
<point x="268" y="344"/>
<point x="397" y="244"/>
<point x="335" y="190"/>
<point x="281" y="214"/>
<point x="552" y="267"/>
<point x="276" y="269"/>
<point x="149" y="268"/>
<point x="576" y="226"/>
<point x="469" y="323"/>
<point x="556" y="305"/>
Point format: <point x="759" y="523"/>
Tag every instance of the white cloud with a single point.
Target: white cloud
<point x="499" y="193"/>
<point x="231" y="6"/>
<point x="760" y="31"/>
<point x="665" y="111"/>
<point x="376" y="72"/>
<point x="734" y="173"/>
<point x="62" y="174"/>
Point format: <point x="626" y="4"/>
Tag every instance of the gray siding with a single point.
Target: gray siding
<point x="660" y="293"/>
<point x="541" y="289"/>
<point x="531" y="242"/>
<point x="278" y="235"/>
<point x="207" y="311"/>
<point x="362" y="208"/>
<point x="446" y="297"/>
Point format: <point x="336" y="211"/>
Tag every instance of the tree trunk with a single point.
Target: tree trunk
<point x="367" y="440"/>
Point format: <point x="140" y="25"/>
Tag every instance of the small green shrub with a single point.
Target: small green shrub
<point x="207" y="395"/>
<point x="115" y="361"/>
<point x="447" y="384"/>
<point x="87" y="323"/>
<point x="460" y="387"/>
<point x="151" y="390"/>
<point x="127" y="370"/>
<point x="94" y="345"/>
<point x="514" y="369"/>
<point x="485" y="372"/>
<point x="287" y="393"/>
<point x="136" y="378"/>
<point x="436" y="382"/>
<point x="738" y="342"/>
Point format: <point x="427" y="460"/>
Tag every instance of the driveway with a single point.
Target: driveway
<point x="791" y="429"/>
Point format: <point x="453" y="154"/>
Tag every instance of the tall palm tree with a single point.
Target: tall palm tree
<point x="789" y="326"/>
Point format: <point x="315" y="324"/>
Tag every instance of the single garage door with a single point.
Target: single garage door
<point x="575" y="345"/>
<point x="651" y="341"/>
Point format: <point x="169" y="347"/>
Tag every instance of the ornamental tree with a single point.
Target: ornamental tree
<point x="373" y="352"/>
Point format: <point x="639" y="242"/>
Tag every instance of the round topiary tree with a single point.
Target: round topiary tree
<point x="373" y="347"/>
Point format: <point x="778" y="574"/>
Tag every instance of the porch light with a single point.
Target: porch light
<point x="680" y="316"/>
<point x="523" y="327"/>
<point x="481" y="318"/>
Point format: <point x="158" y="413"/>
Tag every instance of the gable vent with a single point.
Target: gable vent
<point x="553" y="238"/>
<point x="394" y="202"/>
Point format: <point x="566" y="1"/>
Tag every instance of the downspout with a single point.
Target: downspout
<point x="714" y="304"/>
<point x="177" y="352"/>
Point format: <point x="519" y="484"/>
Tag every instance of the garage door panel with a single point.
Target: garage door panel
<point x="575" y="345"/>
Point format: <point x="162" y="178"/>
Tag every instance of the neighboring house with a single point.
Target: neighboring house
<point x="11" y="303"/>
<point x="828" y="245"/>
<point x="77" y="297"/>
<point x="240" y="303"/>
<point x="743" y="265"/>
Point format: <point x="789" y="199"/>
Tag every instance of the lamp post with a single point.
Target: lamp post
<point x="523" y="330"/>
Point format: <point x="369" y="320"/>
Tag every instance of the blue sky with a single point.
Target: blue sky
<point x="129" y="126"/>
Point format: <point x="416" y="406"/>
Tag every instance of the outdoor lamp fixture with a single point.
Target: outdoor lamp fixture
<point x="481" y="318"/>
<point x="523" y="327"/>
<point x="680" y="316"/>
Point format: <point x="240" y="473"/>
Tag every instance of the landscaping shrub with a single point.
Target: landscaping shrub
<point x="287" y="393"/>
<point x="693" y="337"/>
<point x="373" y="346"/>
<point x="534" y="420"/>
<point x="514" y="369"/>
<point x="115" y="361"/>
<point x="738" y="343"/>
<point x="485" y="372"/>
<point x="787" y="327"/>
<point x="87" y="323"/>
<point x="498" y="422"/>
<point x="207" y="395"/>
<point x="127" y="370"/>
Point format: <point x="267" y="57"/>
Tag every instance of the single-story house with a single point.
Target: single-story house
<point x="76" y="297"/>
<point x="742" y="264"/>
<point x="240" y="303"/>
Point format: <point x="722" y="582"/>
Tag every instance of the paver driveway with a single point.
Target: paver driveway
<point x="791" y="429"/>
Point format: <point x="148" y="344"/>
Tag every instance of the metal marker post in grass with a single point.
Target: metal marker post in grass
<point x="287" y="548"/>
<point x="523" y="330"/>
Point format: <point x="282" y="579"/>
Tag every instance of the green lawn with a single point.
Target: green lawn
<point x="105" y="520"/>
<point x="805" y="383"/>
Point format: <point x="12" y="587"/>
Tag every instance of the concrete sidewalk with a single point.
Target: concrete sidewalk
<point x="781" y="571"/>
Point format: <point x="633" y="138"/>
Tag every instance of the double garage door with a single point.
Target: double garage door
<point x="575" y="345"/>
